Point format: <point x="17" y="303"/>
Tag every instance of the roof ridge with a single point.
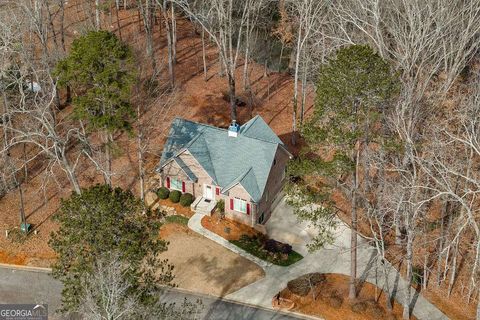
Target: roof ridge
<point x="222" y="129"/>
<point x="250" y="122"/>
<point x="210" y="158"/>
<point x="237" y="179"/>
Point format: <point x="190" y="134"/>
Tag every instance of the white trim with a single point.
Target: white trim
<point x="238" y="209"/>
<point x="205" y="187"/>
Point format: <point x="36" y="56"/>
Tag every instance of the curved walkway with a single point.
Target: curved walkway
<point x="334" y="258"/>
<point x="195" y="224"/>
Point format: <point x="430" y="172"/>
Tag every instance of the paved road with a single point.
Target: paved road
<point x="36" y="287"/>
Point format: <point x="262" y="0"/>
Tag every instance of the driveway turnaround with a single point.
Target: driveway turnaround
<point x="334" y="258"/>
<point x="37" y="287"/>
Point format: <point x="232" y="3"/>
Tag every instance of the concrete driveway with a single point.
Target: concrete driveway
<point x="335" y="258"/>
<point x="284" y="226"/>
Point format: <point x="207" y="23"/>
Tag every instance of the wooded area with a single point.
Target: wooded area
<point x="399" y="164"/>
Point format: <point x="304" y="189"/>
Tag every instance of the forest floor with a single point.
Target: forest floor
<point x="194" y="98"/>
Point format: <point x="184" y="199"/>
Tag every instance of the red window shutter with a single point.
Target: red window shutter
<point x="217" y="191"/>
<point x="231" y="204"/>
<point x="168" y="182"/>
<point x="183" y="186"/>
<point x="248" y="208"/>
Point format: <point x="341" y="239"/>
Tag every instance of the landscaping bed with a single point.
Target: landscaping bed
<point x="258" y="246"/>
<point x="326" y="296"/>
<point x="177" y="207"/>
<point x="227" y="228"/>
<point x="252" y="241"/>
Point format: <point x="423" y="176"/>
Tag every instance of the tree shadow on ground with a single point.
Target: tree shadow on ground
<point x="228" y="278"/>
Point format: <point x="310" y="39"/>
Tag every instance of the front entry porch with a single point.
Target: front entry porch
<point x="206" y="203"/>
<point x="203" y="206"/>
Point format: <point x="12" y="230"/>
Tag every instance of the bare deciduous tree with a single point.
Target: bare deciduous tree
<point x="225" y="21"/>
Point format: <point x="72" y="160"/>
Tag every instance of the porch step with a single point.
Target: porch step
<point x="203" y="207"/>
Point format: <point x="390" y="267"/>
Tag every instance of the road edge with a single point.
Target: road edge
<point x="181" y="290"/>
<point x="282" y="312"/>
<point x="25" y="268"/>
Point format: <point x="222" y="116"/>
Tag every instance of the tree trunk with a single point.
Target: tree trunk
<point x="141" y="171"/>
<point x="70" y="174"/>
<point x="118" y="20"/>
<point x="23" y="219"/>
<point x="295" y="88"/>
<point x="233" y="99"/>
<point x="247" y="51"/>
<point x="148" y="27"/>
<point x="174" y="35"/>
<point x="304" y="93"/>
<point x="280" y="58"/>
<point x="97" y="14"/>
<point x="352" y="289"/>
<point x="169" y="31"/>
<point x="453" y="272"/>
<point x="408" y="289"/>
<point x="108" y="157"/>
<point x="204" y="56"/>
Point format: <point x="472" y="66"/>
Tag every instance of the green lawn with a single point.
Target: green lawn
<point x="253" y="247"/>
<point x="176" y="219"/>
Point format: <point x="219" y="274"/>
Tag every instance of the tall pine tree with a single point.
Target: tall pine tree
<point x="353" y="92"/>
<point x="100" y="71"/>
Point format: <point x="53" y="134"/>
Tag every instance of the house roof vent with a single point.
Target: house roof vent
<point x="233" y="129"/>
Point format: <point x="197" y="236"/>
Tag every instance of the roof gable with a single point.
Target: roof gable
<point x="257" y="128"/>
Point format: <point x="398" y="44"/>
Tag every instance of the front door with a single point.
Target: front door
<point x="207" y="192"/>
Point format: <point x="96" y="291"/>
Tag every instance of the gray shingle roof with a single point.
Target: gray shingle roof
<point x="246" y="159"/>
<point x="257" y="128"/>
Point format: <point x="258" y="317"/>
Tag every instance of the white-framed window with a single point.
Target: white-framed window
<point x="239" y="205"/>
<point x="175" y="184"/>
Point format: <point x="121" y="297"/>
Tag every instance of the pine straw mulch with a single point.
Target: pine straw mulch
<point x="227" y="228"/>
<point x="331" y="302"/>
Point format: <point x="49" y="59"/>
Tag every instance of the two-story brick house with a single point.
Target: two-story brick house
<point x="243" y="165"/>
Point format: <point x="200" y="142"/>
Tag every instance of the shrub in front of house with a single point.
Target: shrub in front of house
<point x="221" y="206"/>
<point x="275" y="246"/>
<point x="163" y="193"/>
<point x="186" y="199"/>
<point x="174" y="196"/>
